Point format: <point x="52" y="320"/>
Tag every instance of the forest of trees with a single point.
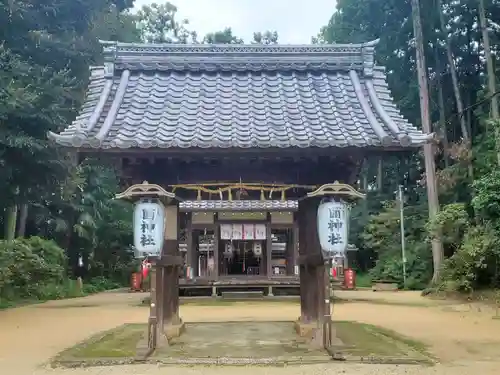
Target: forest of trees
<point x="55" y="210"/>
<point x="461" y="44"/>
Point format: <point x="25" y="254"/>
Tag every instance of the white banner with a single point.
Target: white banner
<point x="260" y="231"/>
<point x="237" y="232"/>
<point x="226" y="231"/>
<point x="243" y="232"/>
<point x="248" y="231"/>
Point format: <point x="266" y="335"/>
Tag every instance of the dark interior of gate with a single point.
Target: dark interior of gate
<point x="241" y="134"/>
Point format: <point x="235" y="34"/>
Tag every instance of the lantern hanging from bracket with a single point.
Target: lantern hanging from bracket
<point x="333" y="226"/>
<point x="257" y="249"/>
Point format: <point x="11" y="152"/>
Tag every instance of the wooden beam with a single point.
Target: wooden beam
<point x="196" y="260"/>
<point x="289" y="252"/>
<point x="170" y="260"/>
<point x="312" y="268"/>
<point x="310" y="259"/>
<point x="190" y="250"/>
<point x="295" y="247"/>
<point x="171" y="272"/>
<point x="216" y="251"/>
<point x="269" y="248"/>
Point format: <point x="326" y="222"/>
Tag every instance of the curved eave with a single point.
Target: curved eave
<point x="92" y="143"/>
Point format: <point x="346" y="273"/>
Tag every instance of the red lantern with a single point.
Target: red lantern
<point x="135" y="283"/>
<point x="146" y="266"/>
<point x="349" y="279"/>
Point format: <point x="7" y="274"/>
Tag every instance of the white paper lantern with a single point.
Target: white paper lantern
<point x="257" y="249"/>
<point x="333" y="226"/>
<point x="149" y="227"/>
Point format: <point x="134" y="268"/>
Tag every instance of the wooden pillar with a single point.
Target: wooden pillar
<point x="157" y="291"/>
<point x="195" y="238"/>
<point x="295" y="240"/>
<point x="170" y="279"/>
<point x="291" y="250"/>
<point x="216" y="251"/>
<point x="311" y="263"/>
<point x="263" y="261"/>
<point x="269" y="249"/>
<point x="190" y="248"/>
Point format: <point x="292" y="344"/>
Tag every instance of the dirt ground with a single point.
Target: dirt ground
<point x="464" y="337"/>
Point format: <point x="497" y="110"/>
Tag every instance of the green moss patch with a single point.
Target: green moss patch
<point x="118" y="343"/>
<point x="243" y="343"/>
<point x="366" y="340"/>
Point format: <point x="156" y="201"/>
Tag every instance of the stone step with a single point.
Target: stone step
<point x="242" y="295"/>
<point x="336" y="285"/>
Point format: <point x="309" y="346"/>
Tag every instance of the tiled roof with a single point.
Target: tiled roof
<point x="237" y="96"/>
<point x="243" y="205"/>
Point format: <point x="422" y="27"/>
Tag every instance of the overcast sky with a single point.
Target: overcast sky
<point x="296" y="21"/>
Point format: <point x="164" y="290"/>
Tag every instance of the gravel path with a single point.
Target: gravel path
<point x="466" y="341"/>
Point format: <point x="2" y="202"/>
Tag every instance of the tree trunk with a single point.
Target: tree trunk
<point x="10" y="222"/>
<point x="430" y="164"/>
<point x="442" y="123"/>
<point x="468" y="118"/>
<point x="380" y="172"/>
<point x="23" y="219"/>
<point x="490" y="69"/>
<point x="442" y="111"/>
<point x="456" y="88"/>
<point x="364" y="180"/>
<point x="454" y="77"/>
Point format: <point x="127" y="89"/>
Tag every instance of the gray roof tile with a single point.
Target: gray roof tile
<point x="245" y="97"/>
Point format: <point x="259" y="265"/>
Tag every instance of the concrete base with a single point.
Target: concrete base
<point x="174" y="330"/>
<point x="143" y="349"/>
<point x="313" y="331"/>
<point x="385" y="287"/>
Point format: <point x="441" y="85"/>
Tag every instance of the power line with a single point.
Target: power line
<point x="472" y="106"/>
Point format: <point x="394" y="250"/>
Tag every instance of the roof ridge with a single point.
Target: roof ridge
<point x="117" y="47"/>
<point x="216" y="57"/>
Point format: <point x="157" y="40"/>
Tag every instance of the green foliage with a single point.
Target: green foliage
<point x="382" y="237"/>
<point x="34" y="269"/>
<point x="363" y="280"/>
<point x="486" y="202"/>
<point x="466" y="202"/>
<point x="158" y="23"/>
<point x="45" y="54"/>
<point x="225" y="36"/>
<point x="450" y="224"/>
<point x="99" y="284"/>
<point x="267" y="37"/>
<point x="476" y="263"/>
<point x="28" y="266"/>
<point x="418" y="267"/>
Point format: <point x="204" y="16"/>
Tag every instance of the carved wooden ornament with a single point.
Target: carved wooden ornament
<point x="336" y="189"/>
<point x="145" y="190"/>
